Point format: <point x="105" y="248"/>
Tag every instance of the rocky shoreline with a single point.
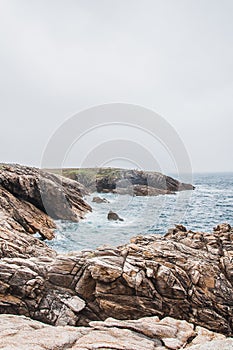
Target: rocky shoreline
<point x="184" y="279"/>
<point x="156" y="292"/>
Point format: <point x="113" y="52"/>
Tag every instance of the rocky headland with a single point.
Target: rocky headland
<point x="125" y="181"/>
<point x="156" y="292"/>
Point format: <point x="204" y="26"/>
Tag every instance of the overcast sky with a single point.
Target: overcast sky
<point x="172" y="56"/>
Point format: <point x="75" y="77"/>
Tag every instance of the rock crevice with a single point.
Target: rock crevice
<point x="151" y="276"/>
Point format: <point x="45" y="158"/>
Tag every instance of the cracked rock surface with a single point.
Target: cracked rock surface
<point x="185" y="275"/>
<point x="28" y="194"/>
<point x="156" y="292"/>
<point x="149" y="333"/>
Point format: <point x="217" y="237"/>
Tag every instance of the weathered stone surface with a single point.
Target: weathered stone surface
<point x="28" y="194"/>
<point x="150" y="333"/>
<point x="226" y="344"/>
<point x="17" y="244"/>
<point x="185" y="275"/>
<point x="203" y="335"/>
<point x="20" y="215"/>
<point x="172" y="333"/>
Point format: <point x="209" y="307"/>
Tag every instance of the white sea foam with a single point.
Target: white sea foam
<point x="211" y="203"/>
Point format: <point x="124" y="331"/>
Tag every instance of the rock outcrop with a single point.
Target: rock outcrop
<point x="114" y="216"/>
<point x="126" y="181"/>
<point x="185" y="275"/>
<point x="99" y="200"/>
<point x="139" y="183"/>
<point x="30" y="198"/>
<point x="149" y="333"/>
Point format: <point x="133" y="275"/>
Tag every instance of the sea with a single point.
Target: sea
<point x="210" y="204"/>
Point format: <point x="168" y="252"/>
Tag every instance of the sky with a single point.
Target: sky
<point x="60" y="57"/>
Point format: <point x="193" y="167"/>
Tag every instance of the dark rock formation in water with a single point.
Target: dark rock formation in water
<point x="28" y="194"/>
<point x="185" y="275"/>
<point x="99" y="200"/>
<point x="114" y="216"/>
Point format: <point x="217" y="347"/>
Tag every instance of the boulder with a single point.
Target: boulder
<point x="114" y="216"/>
<point x="100" y="200"/>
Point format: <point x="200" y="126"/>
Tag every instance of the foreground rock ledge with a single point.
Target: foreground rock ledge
<point x="149" y="333"/>
<point x="185" y="275"/>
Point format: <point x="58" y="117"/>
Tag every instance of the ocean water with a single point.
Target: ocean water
<point x="209" y="204"/>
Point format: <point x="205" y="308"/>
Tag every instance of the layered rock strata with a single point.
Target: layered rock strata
<point x="185" y="275"/>
<point x="30" y="199"/>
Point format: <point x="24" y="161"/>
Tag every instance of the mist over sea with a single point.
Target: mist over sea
<point x="209" y="204"/>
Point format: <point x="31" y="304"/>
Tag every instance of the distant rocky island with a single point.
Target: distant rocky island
<point x="156" y="292"/>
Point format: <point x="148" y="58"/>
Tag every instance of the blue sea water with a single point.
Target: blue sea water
<point x="209" y="204"/>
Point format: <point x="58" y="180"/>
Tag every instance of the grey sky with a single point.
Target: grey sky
<point x="172" y="56"/>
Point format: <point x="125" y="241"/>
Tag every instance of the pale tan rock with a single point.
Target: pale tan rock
<point x="181" y="332"/>
<point x="106" y="269"/>
<point x="226" y="344"/>
<point x="203" y="335"/>
<point x="20" y="333"/>
<point x="114" y="338"/>
<point x="172" y="333"/>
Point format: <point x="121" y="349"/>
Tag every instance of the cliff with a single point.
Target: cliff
<point x="30" y="198"/>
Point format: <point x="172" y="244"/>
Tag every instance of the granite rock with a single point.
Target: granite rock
<point x="150" y="333"/>
<point x="31" y="198"/>
<point x="185" y="275"/>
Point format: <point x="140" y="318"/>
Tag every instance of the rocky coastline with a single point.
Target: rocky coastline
<point x="125" y="181"/>
<point x="156" y="292"/>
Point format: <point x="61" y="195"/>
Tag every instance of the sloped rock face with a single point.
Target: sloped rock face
<point x="186" y="275"/>
<point x="150" y="333"/>
<point x="28" y="194"/>
<point x="19" y="244"/>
